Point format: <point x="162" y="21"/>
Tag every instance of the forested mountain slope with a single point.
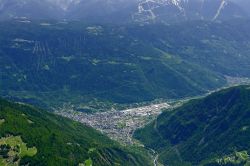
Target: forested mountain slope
<point x="210" y="131"/>
<point x="71" y="61"/>
<point x="29" y="136"/>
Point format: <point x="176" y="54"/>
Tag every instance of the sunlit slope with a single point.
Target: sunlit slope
<point x="34" y="137"/>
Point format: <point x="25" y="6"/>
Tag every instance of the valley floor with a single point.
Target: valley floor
<point x="118" y="125"/>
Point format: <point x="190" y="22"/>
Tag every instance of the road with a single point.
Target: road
<point x="156" y="160"/>
<point x="155" y="156"/>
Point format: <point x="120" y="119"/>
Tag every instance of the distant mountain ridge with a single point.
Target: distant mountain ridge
<point x="124" y="10"/>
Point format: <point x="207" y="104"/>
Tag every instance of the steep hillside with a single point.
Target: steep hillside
<point x="53" y="62"/>
<point x="220" y="47"/>
<point x="70" y="61"/>
<point x="29" y="136"/>
<point x="209" y="131"/>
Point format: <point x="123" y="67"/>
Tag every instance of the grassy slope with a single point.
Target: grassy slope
<point x="203" y="129"/>
<point x="60" y="141"/>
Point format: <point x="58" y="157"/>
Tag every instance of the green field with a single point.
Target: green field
<point x="18" y="149"/>
<point x="88" y="162"/>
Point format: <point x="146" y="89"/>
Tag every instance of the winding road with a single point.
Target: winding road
<point x="155" y="156"/>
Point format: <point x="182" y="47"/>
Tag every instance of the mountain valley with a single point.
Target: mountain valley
<point x="124" y="82"/>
